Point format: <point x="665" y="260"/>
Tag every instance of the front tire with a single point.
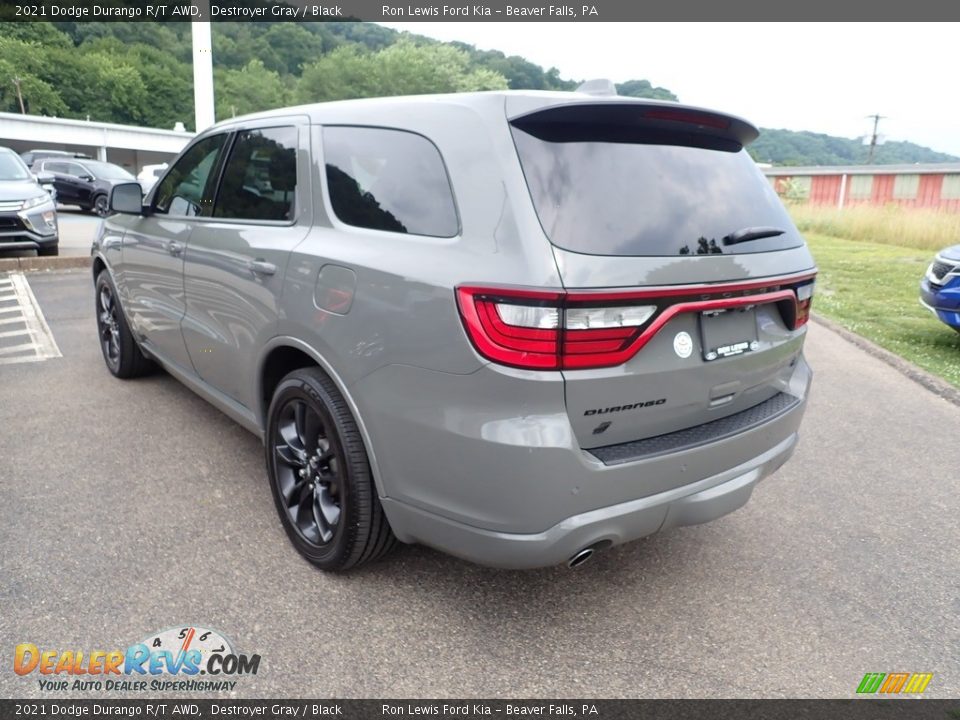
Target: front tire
<point x="120" y="350"/>
<point x="320" y="475"/>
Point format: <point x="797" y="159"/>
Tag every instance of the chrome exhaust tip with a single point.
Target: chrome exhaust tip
<point x="580" y="558"/>
<point x="588" y="552"/>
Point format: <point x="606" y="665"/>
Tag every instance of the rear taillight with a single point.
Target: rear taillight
<point x="804" y="300"/>
<point x="558" y="330"/>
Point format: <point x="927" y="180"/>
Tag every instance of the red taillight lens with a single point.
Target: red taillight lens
<point x="691" y="117"/>
<point x="557" y="330"/>
<point x="512" y="344"/>
<point x="804" y="300"/>
<point x="548" y="330"/>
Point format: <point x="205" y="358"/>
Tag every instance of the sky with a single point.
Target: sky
<point x="822" y="77"/>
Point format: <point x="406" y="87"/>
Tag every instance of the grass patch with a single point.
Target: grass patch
<point x="891" y="225"/>
<point x="872" y="289"/>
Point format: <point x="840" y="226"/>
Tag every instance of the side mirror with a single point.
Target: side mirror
<point x="127" y="198"/>
<point x="45" y="178"/>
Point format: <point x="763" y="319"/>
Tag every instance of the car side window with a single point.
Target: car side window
<point x="388" y="180"/>
<point x="260" y="177"/>
<point x="54" y="167"/>
<point x="184" y="191"/>
<point x="74" y="170"/>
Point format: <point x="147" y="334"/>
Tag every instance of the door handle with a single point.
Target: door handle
<point x="261" y="267"/>
<point x="174" y="248"/>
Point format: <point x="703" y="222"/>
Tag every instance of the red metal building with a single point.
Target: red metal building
<point x="933" y="186"/>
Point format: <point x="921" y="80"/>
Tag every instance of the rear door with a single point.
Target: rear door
<point x="236" y="257"/>
<point x="62" y="183"/>
<point x="682" y="267"/>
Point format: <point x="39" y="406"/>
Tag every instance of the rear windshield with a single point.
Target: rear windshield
<point x="625" y="198"/>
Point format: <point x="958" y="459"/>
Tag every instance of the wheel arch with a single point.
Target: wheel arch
<point x="98" y="265"/>
<point x="283" y="355"/>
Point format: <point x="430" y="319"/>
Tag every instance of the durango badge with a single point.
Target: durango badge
<point x="683" y="344"/>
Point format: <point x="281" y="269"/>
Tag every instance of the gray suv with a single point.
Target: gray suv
<point x="519" y="327"/>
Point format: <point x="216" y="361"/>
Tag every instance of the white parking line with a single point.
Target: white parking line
<point x="41" y="345"/>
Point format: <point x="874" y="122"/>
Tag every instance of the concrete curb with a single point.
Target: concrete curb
<point x="936" y="385"/>
<point x="26" y="264"/>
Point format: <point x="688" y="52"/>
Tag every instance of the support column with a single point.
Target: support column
<point x="203" y="70"/>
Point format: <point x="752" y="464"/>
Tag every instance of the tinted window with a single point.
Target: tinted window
<point x="184" y="189"/>
<point x="628" y="198"/>
<point x="74" y="170"/>
<point x="388" y="180"/>
<point x="106" y="170"/>
<point x="260" y="178"/>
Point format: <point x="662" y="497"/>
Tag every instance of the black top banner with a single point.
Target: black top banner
<point x="485" y="11"/>
<point x="914" y="709"/>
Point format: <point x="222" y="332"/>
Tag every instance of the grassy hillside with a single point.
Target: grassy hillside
<point x="787" y="147"/>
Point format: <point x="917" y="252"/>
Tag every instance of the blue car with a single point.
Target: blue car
<point x="940" y="287"/>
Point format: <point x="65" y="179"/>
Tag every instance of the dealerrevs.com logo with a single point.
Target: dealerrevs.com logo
<point x="172" y="660"/>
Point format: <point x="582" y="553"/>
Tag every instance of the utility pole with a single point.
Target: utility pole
<point x="873" y="138"/>
<point x="16" y="84"/>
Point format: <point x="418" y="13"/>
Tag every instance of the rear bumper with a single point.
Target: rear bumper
<point x="692" y="504"/>
<point x="492" y="472"/>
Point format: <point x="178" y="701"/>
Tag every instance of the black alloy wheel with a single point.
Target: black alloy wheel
<point x="108" y="326"/>
<point x="101" y="205"/>
<point x="308" y="462"/>
<point x="121" y="353"/>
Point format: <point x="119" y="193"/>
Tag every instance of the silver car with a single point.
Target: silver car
<point x="519" y="327"/>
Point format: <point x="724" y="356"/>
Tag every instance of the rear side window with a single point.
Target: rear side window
<point x="605" y="197"/>
<point x="388" y="180"/>
<point x="183" y="191"/>
<point x="260" y="178"/>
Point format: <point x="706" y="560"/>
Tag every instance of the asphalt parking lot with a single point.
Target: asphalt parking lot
<point x="130" y="507"/>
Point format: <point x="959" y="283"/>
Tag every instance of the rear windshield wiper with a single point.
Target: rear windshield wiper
<point x="751" y="233"/>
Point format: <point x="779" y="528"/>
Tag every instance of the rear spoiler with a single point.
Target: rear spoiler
<point x="637" y="122"/>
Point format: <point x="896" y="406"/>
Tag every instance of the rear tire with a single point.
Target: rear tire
<point x="320" y="475"/>
<point x="100" y="205"/>
<point x="121" y="353"/>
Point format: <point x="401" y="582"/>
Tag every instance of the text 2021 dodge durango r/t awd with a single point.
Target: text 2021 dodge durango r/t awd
<point x="515" y="326"/>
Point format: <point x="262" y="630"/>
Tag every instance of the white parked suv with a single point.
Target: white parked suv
<point x="149" y="175"/>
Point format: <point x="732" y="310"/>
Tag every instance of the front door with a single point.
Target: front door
<point x="236" y="258"/>
<point x="154" y="247"/>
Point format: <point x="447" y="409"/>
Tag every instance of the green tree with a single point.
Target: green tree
<point x="293" y="46"/>
<point x="644" y="89"/>
<point x="248" y="90"/>
<point x="22" y="62"/>
<point x="403" y="68"/>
